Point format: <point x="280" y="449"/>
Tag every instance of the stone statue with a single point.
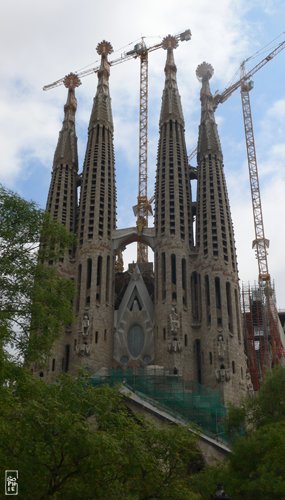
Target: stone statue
<point x="85" y="324"/>
<point x="119" y="262"/>
<point x="221" y="347"/>
<point x="174" y="321"/>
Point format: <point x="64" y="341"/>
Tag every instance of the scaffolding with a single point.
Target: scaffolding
<point x="263" y="333"/>
<point x="191" y="401"/>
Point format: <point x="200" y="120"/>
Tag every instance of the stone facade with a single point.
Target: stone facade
<point x="185" y="314"/>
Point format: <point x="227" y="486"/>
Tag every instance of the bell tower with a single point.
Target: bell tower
<point x="96" y="221"/>
<point x="219" y="358"/>
<point x="173" y="227"/>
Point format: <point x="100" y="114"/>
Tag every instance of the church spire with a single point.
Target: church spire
<point x="102" y="112"/>
<point x="173" y="224"/>
<point x="217" y="318"/>
<point x="62" y="198"/>
<point x="171" y="105"/>
<point x="208" y="134"/>
<point x="96" y="223"/>
<point x="67" y="142"/>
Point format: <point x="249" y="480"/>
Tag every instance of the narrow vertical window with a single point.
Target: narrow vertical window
<point x="197" y="347"/>
<point x="173" y="277"/>
<point x="99" y="279"/>
<point x="229" y="306"/>
<point x="218" y="301"/>
<point x="88" y="280"/>
<point x="78" y="286"/>
<point x="207" y="300"/>
<point x="237" y="314"/>
<point x="89" y="274"/>
<point x="108" y="279"/>
<point x="184" y="281"/>
<point x="196" y="296"/>
<point x="163" y="276"/>
<point x="173" y="269"/>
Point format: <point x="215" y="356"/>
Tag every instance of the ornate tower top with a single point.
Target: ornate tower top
<point x="204" y="71"/>
<point x="169" y="42"/>
<point x="171" y="105"/>
<point x="101" y="112"/>
<point x="71" y="81"/>
<point x="208" y="135"/>
<point x="104" y="48"/>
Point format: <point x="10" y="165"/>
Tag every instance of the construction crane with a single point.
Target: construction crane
<point x="245" y="84"/>
<point x="141" y="51"/>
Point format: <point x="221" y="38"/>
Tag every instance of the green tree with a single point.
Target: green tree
<point x="265" y="407"/>
<point x="71" y="441"/>
<point x="257" y="464"/>
<point x="34" y="298"/>
<point x="255" y="468"/>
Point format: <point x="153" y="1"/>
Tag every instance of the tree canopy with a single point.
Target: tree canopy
<point x="69" y="440"/>
<point x="256" y="467"/>
<point x="34" y="298"/>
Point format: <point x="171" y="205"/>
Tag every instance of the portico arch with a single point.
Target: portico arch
<point x="123" y="237"/>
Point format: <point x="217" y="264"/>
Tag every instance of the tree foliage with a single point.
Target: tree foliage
<point x="33" y="297"/>
<point x="71" y="441"/>
<point x="256" y="467"/>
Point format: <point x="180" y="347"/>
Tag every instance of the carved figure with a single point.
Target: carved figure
<point x="222" y="374"/>
<point x="174" y="321"/>
<point x="221" y="347"/>
<point x="85" y="324"/>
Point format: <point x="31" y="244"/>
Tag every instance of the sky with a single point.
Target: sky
<point x="43" y="41"/>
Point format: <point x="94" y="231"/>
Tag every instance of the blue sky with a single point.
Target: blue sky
<point x="43" y="41"/>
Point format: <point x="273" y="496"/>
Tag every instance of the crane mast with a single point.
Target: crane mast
<point x="143" y="208"/>
<point x="260" y="243"/>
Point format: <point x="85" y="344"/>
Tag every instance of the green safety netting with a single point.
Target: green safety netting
<point x="188" y="400"/>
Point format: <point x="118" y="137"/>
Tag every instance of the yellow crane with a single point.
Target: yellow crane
<point x="141" y="51"/>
